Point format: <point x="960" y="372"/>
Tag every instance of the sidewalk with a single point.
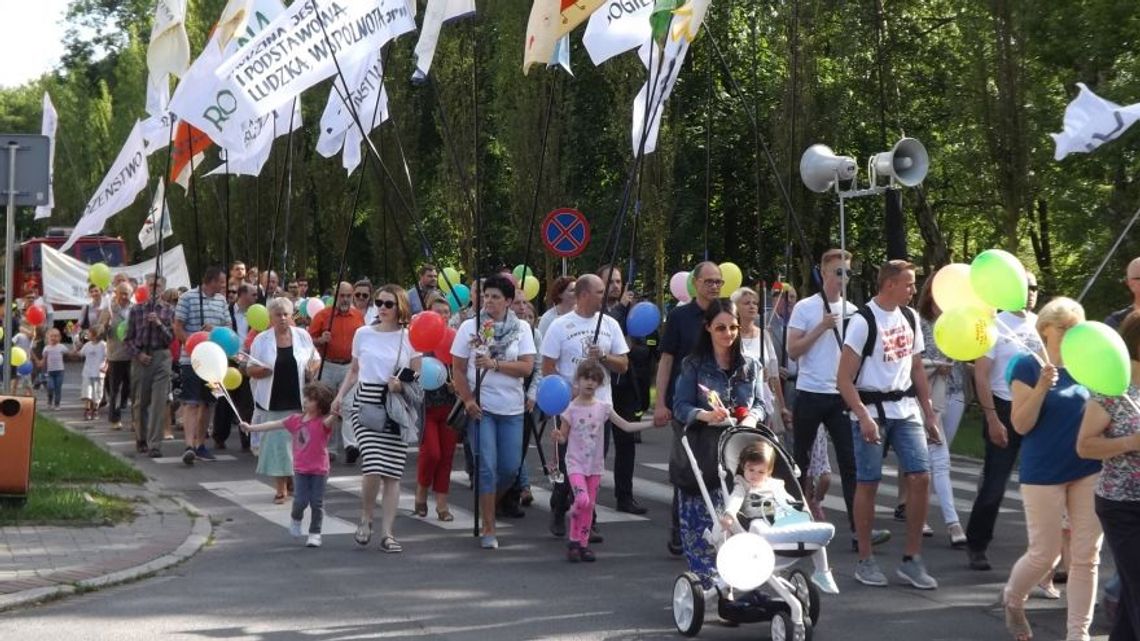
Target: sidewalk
<point x="41" y="562"/>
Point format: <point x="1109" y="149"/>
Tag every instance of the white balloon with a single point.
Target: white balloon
<point x="315" y="306"/>
<point x="745" y="561"/>
<point x="209" y="362"/>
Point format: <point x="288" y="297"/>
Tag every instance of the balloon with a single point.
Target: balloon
<point x="951" y="288"/>
<point x="99" y="275"/>
<point x="303" y="308"/>
<point x="142" y="294"/>
<point x="643" y="319"/>
<point x="315" y="306"/>
<point x="232" y="379"/>
<point x="209" y="362"/>
<point x="691" y="286"/>
<point x="257" y="316"/>
<point x="35" y="315"/>
<point x="745" y="561"/>
<point x="193" y="341"/>
<point x="733" y="277"/>
<point x="442" y="350"/>
<point x="249" y="339"/>
<point x="999" y="279"/>
<point x="1097" y="358"/>
<point x="965" y="333"/>
<point x="518" y="271"/>
<point x="677" y="287"/>
<point x="554" y="394"/>
<point x="530" y="287"/>
<point x="450" y="279"/>
<point x="426" y="331"/>
<point x="121" y="330"/>
<point x="327" y="300"/>
<point x="25" y="369"/>
<point x="227" y="339"/>
<point x="433" y="374"/>
<point x="19" y="356"/>
<point x="459" y="296"/>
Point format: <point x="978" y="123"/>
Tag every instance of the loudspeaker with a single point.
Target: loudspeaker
<point x="17" y="419"/>
<point x="905" y="164"/>
<point x="820" y="168"/>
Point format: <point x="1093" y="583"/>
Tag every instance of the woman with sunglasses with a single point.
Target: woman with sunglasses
<point x="718" y="385"/>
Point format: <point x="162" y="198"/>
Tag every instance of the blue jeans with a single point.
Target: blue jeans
<point x="906" y="436"/>
<point x="309" y="491"/>
<point x="500" y="450"/>
<point x="54" y="387"/>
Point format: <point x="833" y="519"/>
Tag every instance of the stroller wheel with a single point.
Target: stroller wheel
<point x="688" y="604"/>
<point x="784" y="630"/>
<point x="807" y="594"/>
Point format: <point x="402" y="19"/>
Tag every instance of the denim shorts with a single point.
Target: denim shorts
<point x="906" y="436"/>
<point x="194" y="390"/>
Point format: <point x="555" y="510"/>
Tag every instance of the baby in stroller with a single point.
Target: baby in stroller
<point x="760" y="504"/>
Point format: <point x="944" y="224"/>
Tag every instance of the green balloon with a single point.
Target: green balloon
<point x="690" y="285"/>
<point x="999" y="279"/>
<point x="257" y="316"/>
<point x="327" y="300"/>
<point x="100" y="275"/>
<point x="121" y="330"/>
<point x="1097" y="358"/>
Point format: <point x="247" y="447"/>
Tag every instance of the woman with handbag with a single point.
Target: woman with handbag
<point x="498" y="350"/>
<point x="437" y="448"/>
<point x="285" y="356"/>
<point x="386" y="365"/>
<point x="718" y="386"/>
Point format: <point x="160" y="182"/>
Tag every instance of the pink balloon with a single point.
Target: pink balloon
<point x="678" y="285"/>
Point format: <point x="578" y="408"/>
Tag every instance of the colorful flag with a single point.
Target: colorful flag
<point x="169" y="48"/>
<point x="190" y="145"/>
<point x="437" y="13"/>
<point x="549" y="21"/>
<point x="128" y="176"/>
<point x="48" y="128"/>
<point x="148" y="235"/>
<point x="1091" y="121"/>
<point x="619" y="26"/>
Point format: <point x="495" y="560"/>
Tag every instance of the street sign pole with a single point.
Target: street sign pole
<point x="9" y="263"/>
<point x="565" y="270"/>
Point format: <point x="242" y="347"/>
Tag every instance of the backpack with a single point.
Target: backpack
<point x="873" y="330"/>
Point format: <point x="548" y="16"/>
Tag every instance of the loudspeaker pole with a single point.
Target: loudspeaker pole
<point x="895" y="226"/>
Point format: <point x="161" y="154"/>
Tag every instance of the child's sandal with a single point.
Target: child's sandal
<point x="444" y="515"/>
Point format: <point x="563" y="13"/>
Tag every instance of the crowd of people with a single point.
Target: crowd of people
<point x="345" y="384"/>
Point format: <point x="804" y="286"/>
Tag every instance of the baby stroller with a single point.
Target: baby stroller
<point x="786" y="597"/>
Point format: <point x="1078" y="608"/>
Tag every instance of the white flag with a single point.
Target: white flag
<point x="665" y="66"/>
<point x="248" y="162"/>
<point x="617" y="27"/>
<point x="1091" y="121"/>
<point x="50" y="123"/>
<point x="148" y="235"/>
<point x="292" y="53"/>
<point x="437" y="13"/>
<point x="158" y="130"/>
<point x="338" y="129"/>
<point x="169" y="48"/>
<point x="128" y="176"/>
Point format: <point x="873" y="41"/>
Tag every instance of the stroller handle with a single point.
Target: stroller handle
<point x="717" y="530"/>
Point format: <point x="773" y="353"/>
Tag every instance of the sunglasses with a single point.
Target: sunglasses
<point x="385" y="303"/>
<point x="361" y="295"/>
<point x="720" y="329"/>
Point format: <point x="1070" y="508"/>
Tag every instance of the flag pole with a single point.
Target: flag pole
<point x="288" y="197"/>
<point x="1108" y="256"/>
<point x="197" y="214"/>
<point x="160" y="244"/>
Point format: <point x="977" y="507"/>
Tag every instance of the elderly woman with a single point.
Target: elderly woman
<point x="719" y="364"/>
<point x="1047" y="409"/>
<point x="747" y="303"/>
<point x="282" y="359"/>
<point x="1110" y="432"/>
<point x="383" y="362"/>
<point x="497" y="349"/>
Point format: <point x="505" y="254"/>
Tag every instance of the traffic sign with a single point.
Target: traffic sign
<point x="565" y="232"/>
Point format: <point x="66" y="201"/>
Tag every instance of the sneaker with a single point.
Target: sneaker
<point x="587" y="555"/>
<point x="957" y="535"/>
<point x="558" y="524"/>
<point x="927" y="531"/>
<point x="825" y="582"/>
<point x="867" y="572"/>
<point x="978" y="560"/>
<point x="573" y="552"/>
<point x="295" y="529"/>
<point x="631" y="506"/>
<point x="595" y="535"/>
<point x="204" y="453"/>
<point x="489" y="542"/>
<point x="900" y="512"/>
<point x="155" y="453"/>
<point x="914" y="572"/>
<point x="188" y="456"/>
<point x="314" y="541"/>
<point x="878" y="537"/>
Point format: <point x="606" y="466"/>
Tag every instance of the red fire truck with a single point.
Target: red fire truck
<point x="89" y="249"/>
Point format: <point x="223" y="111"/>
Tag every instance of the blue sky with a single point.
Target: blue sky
<point x="33" y="42"/>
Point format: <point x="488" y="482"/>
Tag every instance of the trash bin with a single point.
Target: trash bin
<point x="17" y="421"/>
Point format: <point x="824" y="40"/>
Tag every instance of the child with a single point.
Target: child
<point x="94" y="353"/>
<point x="23" y="340"/>
<point x="762" y="500"/>
<point x="52" y="362"/>
<point x="311" y="432"/>
<point x="583" y="426"/>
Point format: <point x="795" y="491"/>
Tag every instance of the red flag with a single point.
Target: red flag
<point x="189" y="147"/>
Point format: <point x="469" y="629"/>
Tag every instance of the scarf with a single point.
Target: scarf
<point x="496" y="336"/>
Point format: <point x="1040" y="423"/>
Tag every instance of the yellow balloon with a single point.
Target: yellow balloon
<point x="966" y="333"/>
<point x="452" y="278"/>
<point x="733" y="278"/>
<point x="951" y="288"/>
<point x="19" y="356"/>
<point x="232" y="379"/>
<point x="530" y="287"/>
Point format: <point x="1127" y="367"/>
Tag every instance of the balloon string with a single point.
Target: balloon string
<point x="1128" y="399"/>
<point x="222" y="388"/>
<point x="1042" y="359"/>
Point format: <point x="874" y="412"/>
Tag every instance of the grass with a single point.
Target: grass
<point x="67" y="469"/>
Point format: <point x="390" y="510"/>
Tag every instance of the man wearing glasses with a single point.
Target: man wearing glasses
<point x="1132" y="281"/>
<point x="332" y="330"/>
<point x="684" y="324"/>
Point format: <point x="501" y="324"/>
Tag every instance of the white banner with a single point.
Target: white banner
<point x="65" y="278"/>
<point x="48" y="128"/>
<point x="437" y="13"/>
<point x="249" y="161"/>
<point x="617" y="27"/>
<point x="665" y="68"/>
<point x="169" y="48"/>
<point x="128" y="176"/>
<point x="293" y="54"/>
<point x="1091" y="121"/>
<point x="148" y="235"/>
<point x="157" y="131"/>
<point x="338" y="130"/>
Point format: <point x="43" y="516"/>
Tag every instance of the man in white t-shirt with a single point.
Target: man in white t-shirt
<point x="1001" y="440"/>
<point x="881" y="377"/>
<point x="568" y="341"/>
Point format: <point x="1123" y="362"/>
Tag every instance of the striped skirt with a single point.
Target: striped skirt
<point x="380" y="452"/>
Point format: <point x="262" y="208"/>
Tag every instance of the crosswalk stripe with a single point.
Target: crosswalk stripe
<point x="255" y="496"/>
<point x="464" y="520"/>
<point x="965" y="486"/>
<point x="169" y="460"/>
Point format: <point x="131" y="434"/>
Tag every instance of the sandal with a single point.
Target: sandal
<point x="420" y="509"/>
<point x="1017" y="624"/>
<point x="279" y="499"/>
<point x="390" y="545"/>
<point x="363" y="534"/>
<point x="444" y="514"/>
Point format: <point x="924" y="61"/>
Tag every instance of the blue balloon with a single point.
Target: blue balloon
<point x="554" y="394"/>
<point x="643" y="319"/>
<point x="433" y="373"/>
<point x="459" y="296"/>
<point x="227" y="339"/>
<point x="25" y="369"/>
